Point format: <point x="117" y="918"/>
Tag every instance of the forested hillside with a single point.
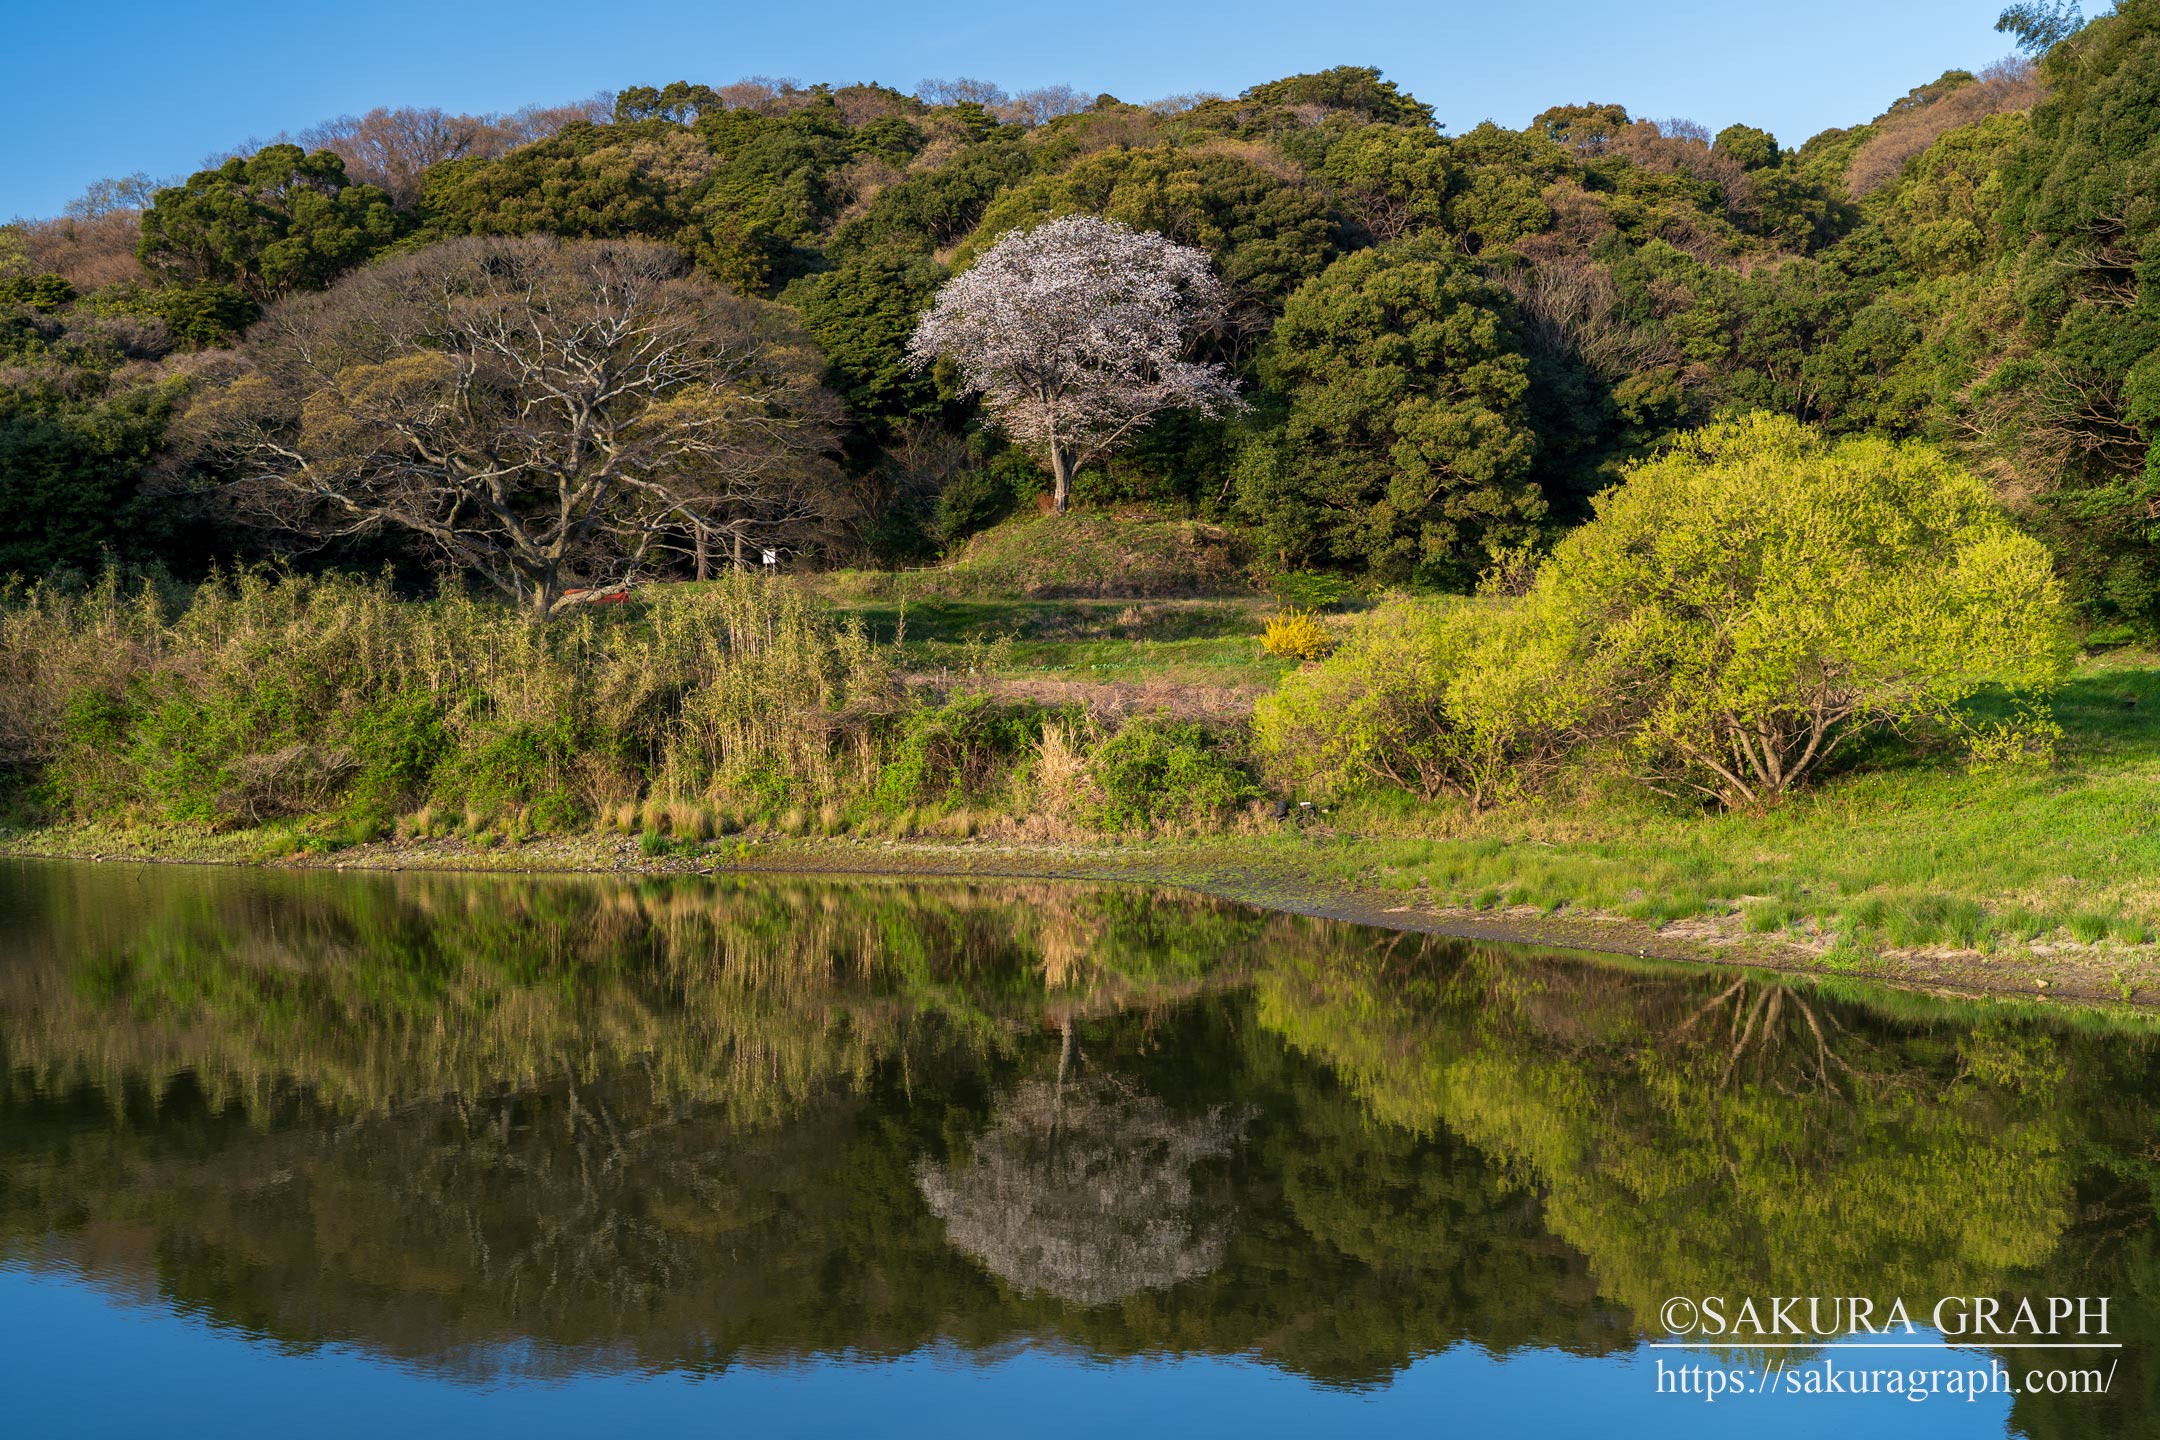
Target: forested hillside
<point x="1446" y="343"/>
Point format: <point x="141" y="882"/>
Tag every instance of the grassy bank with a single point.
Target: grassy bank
<point x="1368" y="880"/>
<point x="335" y="710"/>
<point x="775" y="723"/>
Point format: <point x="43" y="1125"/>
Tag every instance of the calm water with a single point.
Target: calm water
<point x="346" y="1155"/>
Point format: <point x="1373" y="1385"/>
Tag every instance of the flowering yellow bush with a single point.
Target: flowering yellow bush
<point x="1297" y="635"/>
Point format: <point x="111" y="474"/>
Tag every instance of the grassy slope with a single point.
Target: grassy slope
<point x="1079" y="555"/>
<point x="1087" y="598"/>
<point x="1211" y="642"/>
<point x="1906" y="854"/>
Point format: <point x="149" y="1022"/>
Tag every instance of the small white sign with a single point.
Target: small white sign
<point x="772" y="557"/>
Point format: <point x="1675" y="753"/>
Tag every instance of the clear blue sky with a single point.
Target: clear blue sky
<point x="106" y="87"/>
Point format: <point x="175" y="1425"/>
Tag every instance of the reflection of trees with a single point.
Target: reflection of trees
<point x="1466" y="1247"/>
<point x="376" y="991"/>
<point x="554" y="1227"/>
<point x="556" y="1125"/>
<point x="476" y="1123"/>
<point x="605" y="1222"/>
<point x="1702" y="1134"/>
<point x="1713" y="1136"/>
<point x="1083" y="1190"/>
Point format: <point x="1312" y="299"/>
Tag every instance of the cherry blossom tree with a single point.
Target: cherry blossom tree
<point x="1075" y="334"/>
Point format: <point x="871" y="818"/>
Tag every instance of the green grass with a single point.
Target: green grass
<point x="959" y="622"/>
<point x="1203" y="642"/>
<point x="1906" y="852"/>
<point x="1080" y="554"/>
<point x="1025" y="601"/>
<point x="1189" y="662"/>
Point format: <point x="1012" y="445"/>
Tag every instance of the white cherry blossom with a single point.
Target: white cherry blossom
<point x="1075" y="335"/>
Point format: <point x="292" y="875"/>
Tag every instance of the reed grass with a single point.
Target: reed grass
<point x="264" y="696"/>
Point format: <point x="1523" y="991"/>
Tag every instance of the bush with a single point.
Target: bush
<point x="1423" y="695"/>
<point x="1157" y="774"/>
<point x="1749" y="603"/>
<point x="973" y="500"/>
<point x="1739" y="611"/>
<point x="960" y="750"/>
<point x="1296" y="635"/>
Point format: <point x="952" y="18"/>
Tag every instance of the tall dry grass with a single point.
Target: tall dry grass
<point x="263" y="694"/>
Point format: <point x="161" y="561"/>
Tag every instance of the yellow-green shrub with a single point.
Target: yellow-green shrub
<point x="1421" y="695"/>
<point x="1296" y="635"/>
<point x="1753" y="599"/>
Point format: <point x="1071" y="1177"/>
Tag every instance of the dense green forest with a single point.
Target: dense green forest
<point x="1447" y="343"/>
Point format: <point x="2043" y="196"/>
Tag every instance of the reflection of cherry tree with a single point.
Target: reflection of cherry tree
<point x="1084" y="1190"/>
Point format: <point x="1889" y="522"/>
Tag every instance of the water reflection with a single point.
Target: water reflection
<point x="1083" y="1190"/>
<point x="513" y="1128"/>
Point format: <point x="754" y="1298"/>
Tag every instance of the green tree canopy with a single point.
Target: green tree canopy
<point x="275" y="221"/>
<point x="1265" y="234"/>
<point x="2074" y="404"/>
<point x="1405" y="441"/>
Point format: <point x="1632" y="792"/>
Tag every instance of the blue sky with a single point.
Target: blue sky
<point x="106" y="87"/>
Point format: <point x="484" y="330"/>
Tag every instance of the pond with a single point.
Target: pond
<point x="774" y="1156"/>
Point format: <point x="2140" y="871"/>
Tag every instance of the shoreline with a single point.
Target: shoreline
<point x="1222" y="868"/>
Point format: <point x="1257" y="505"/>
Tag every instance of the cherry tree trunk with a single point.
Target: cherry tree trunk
<point x="1061" y="468"/>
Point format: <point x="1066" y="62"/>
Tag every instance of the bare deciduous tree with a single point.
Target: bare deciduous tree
<point x="1041" y="106"/>
<point x="91" y="243"/>
<point x="1911" y="126"/>
<point x="1570" y="306"/>
<point x="1075" y="333"/>
<point x="961" y="91"/>
<point x="545" y="414"/>
<point x="392" y="149"/>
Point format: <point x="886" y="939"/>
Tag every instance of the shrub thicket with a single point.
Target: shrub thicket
<point x="1425" y="695"/>
<point x="1158" y="773"/>
<point x="1740" y="610"/>
<point x="1753" y="601"/>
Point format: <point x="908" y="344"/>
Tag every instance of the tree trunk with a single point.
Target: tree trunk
<point x="1061" y="467"/>
<point x="738" y="552"/>
<point x="547" y="589"/>
<point x="704" y="565"/>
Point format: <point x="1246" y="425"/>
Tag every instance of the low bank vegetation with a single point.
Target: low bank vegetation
<point x="266" y="698"/>
<point x="1643" y="722"/>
